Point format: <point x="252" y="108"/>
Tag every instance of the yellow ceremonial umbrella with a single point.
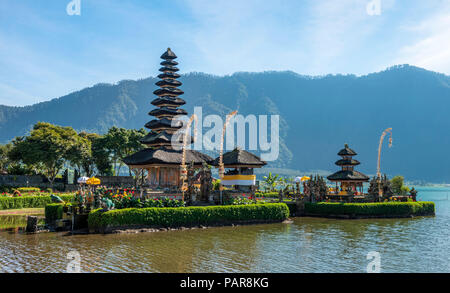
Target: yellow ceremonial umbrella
<point x="305" y="178"/>
<point x="93" y="181"/>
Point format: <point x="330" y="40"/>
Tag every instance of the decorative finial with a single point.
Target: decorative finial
<point x="346" y="145"/>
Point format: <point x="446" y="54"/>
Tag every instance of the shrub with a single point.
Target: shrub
<point x="163" y="203"/>
<point x="6" y="189"/>
<point x="8" y="203"/>
<point x="190" y="216"/>
<point x="372" y="209"/>
<point x="267" y="194"/>
<point x="53" y="212"/>
<point x="28" y="189"/>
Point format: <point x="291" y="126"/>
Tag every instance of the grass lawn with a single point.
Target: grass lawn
<point x="26" y="211"/>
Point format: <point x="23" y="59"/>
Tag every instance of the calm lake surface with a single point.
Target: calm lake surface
<point x="307" y="245"/>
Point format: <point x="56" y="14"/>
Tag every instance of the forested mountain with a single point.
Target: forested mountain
<point x="318" y="114"/>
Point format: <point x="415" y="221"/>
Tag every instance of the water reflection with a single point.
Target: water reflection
<point x="306" y="245"/>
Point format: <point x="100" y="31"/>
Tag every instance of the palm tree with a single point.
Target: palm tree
<point x="271" y="180"/>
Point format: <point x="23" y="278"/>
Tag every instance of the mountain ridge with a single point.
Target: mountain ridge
<point x="317" y="114"/>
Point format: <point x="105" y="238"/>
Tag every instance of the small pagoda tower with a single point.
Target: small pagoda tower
<point x="160" y="157"/>
<point x="349" y="179"/>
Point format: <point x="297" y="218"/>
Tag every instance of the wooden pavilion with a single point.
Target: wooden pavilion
<point x="349" y="179"/>
<point x="241" y="165"/>
<point x="162" y="157"/>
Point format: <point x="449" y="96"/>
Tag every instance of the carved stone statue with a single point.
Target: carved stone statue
<point x="206" y="183"/>
<point x="413" y="194"/>
<point x="190" y="182"/>
<point x="386" y="187"/>
<point x="373" y="187"/>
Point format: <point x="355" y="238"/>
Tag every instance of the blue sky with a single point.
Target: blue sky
<point x="46" y="53"/>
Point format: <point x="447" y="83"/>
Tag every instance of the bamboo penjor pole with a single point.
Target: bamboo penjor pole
<point x="386" y="132"/>
<point x="221" y="165"/>
<point x="183" y="166"/>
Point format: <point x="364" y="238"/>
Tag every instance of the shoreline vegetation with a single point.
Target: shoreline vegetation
<point x="28" y="202"/>
<point x="186" y="217"/>
<point x="370" y="210"/>
<point x="136" y="220"/>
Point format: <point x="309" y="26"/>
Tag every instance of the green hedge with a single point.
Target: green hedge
<point x="190" y="216"/>
<point x="28" y="189"/>
<point x="53" y="212"/>
<point x="372" y="209"/>
<point x="267" y="194"/>
<point x="8" y="203"/>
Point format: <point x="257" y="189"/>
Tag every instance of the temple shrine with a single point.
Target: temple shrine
<point x="240" y="165"/>
<point x="160" y="158"/>
<point x="351" y="181"/>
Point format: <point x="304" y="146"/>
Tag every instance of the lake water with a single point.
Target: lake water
<point x="306" y="245"/>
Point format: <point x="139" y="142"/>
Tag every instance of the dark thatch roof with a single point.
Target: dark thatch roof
<point x="168" y="82"/>
<point x="168" y="75"/>
<point x="167" y="111"/>
<point x="164" y="122"/>
<point x="346" y="151"/>
<point x="347" y="162"/>
<point x="348" y="176"/>
<point x="175" y="102"/>
<point x="168" y="55"/>
<point x="169" y="69"/>
<point x="165" y="156"/>
<point x="162" y="137"/>
<point x="168" y="91"/>
<point x="240" y="157"/>
<point x="169" y="63"/>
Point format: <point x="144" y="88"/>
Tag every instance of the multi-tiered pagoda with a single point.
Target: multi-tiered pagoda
<point x="162" y="157"/>
<point x="350" y="179"/>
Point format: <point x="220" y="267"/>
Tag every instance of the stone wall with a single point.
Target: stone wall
<point x="117" y="181"/>
<point x="38" y="181"/>
<point x="20" y="180"/>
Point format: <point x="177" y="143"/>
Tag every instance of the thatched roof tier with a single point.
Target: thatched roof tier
<point x="169" y="55"/>
<point x="168" y="101"/>
<point x="169" y="69"/>
<point x="347" y="162"/>
<point x="169" y="63"/>
<point x="240" y="158"/>
<point x="165" y="111"/>
<point x="346" y="151"/>
<point x="346" y="175"/>
<point x="168" y="91"/>
<point x="169" y="75"/>
<point x="169" y="83"/>
<point x="165" y="156"/>
<point x="162" y="138"/>
<point x="164" y="123"/>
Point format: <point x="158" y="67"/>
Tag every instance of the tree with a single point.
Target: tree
<point x="88" y="159"/>
<point x="134" y="143"/>
<point x="47" y="146"/>
<point x="101" y="156"/>
<point x="271" y="181"/>
<point x="120" y="143"/>
<point x="5" y="161"/>
<point x="397" y="184"/>
<point x="79" y="152"/>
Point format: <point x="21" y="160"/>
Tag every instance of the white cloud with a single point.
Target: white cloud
<point x="430" y="48"/>
<point x="11" y="96"/>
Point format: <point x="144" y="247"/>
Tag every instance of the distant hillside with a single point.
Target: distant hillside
<point x="318" y="114"/>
